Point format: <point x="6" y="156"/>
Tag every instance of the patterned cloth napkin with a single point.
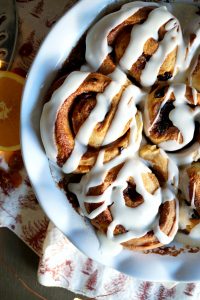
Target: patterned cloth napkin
<point x="61" y="264"/>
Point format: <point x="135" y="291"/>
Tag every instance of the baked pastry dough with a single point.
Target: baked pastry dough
<point x="190" y="185"/>
<point x="140" y="71"/>
<point x="143" y="39"/>
<point x="195" y="74"/>
<point x="170" y="113"/>
<point x="132" y="204"/>
<point x="82" y="118"/>
<point x="190" y="200"/>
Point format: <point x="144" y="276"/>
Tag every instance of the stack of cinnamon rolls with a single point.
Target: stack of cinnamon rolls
<point x="127" y="127"/>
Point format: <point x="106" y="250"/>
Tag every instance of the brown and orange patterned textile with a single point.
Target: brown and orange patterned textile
<point x="61" y="264"/>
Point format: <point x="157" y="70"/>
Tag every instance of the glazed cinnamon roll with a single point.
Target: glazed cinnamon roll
<point x="143" y="39"/>
<point x="190" y="185"/>
<point x="139" y="69"/>
<point x="165" y="168"/>
<point x="192" y="37"/>
<point x="189" y="218"/>
<point x="170" y="114"/>
<point x="87" y="114"/>
<point x="128" y="203"/>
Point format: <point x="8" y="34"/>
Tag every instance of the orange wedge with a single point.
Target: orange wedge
<point x="11" y="86"/>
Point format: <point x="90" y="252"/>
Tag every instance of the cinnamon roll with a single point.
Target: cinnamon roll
<point x="143" y="39"/>
<point x="190" y="185"/>
<point x="128" y="203"/>
<point x="189" y="226"/>
<point x="165" y="168"/>
<point x="170" y="114"/>
<point x="192" y="37"/>
<point x="140" y="70"/>
<point x="189" y="218"/>
<point x="86" y="114"/>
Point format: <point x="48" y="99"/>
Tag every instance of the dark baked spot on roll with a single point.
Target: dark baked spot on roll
<point x="195" y="215"/>
<point x="131" y="196"/>
<point x="160" y="93"/>
<point x="164" y="123"/>
<point x="164" y="77"/>
<point x="81" y="109"/>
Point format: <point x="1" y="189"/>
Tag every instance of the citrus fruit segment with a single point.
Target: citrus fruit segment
<point x="11" y="87"/>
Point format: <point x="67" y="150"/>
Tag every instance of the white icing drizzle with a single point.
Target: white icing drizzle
<point x="184" y="220"/>
<point x="51" y="108"/>
<point x="185" y="213"/>
<point x="190" y="25"/>
<point x="193" y="66"/>
<point x="97" y="47"/>
<point x="140" y="220"/>
<point x="194" y="47"/>
<point x="184" y="183"/>
<point x="118" y="76"/>
<point x="131" y="95"/>
<point x="162" y="237"/>
<point x="98" y="114"/>
<point x="126" y="110"/>
<point x="141" y="33"/>
<point x="167" y="195"/>
<point x="136" y="220"/>
<point x="96" y="41"/>
<point x="172" y="39"/>
<point x="186" y="156"/>
<point x="193" y="196"/>
<point x="182" y="117"/>
<point x="173" y="172"/>
<point x="195" y="232"/>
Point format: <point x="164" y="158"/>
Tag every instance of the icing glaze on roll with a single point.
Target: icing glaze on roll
<point x="96" y="40"/>
<point x="130" y="95"/>
<point x="97" y="47"/>
<point x="51" y="108"/>
<point x="181" y="115"/>
<point x="138" y="220"/>
<point x="93" y="124"/>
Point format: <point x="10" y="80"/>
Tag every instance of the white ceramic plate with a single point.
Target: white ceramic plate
<point x="53" y="52"/>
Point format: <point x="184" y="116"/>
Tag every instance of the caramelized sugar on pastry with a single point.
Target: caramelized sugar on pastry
<point x="189" y="216"/>
<point x="170" y="114"/>
<point x="143" y="39"/>
<point x="86" y="114"/>
<point x="189" y="223"/>
<point x="164" y="168"/>
<point x="190" y="184"/>
<point x="195" y="75"/>
<point x="126" y="203"/>
<point x="92" y="126"/>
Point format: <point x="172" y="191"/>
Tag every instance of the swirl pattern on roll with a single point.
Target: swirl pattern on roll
<point x="195" y="74"/>
<point x="127" y="129"/>
<point x="143" y="39"/>
<point x="128" y="202"/>
<point x="170" y="115"/>
<point x="83" y="116"/>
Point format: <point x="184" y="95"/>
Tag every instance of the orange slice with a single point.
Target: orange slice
<point x="11" y="86"/>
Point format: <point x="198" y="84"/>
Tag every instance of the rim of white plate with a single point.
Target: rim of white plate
<point x="152" y="267"/>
